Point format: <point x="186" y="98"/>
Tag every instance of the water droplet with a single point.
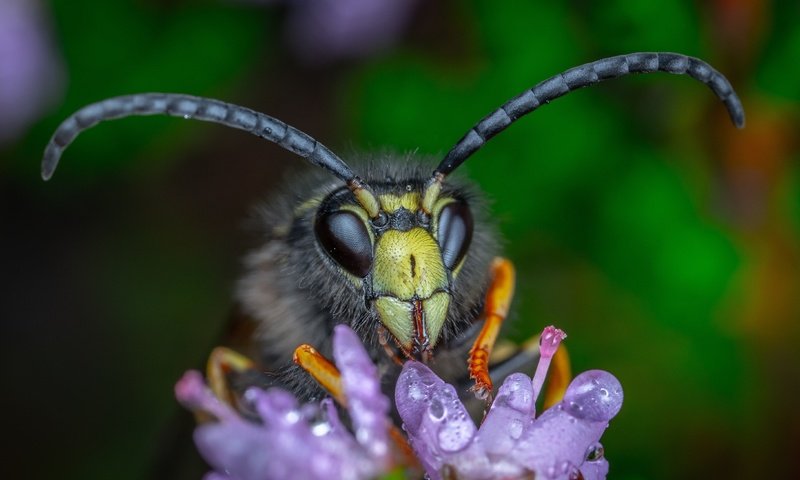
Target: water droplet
<point x="292" y="416"/>
<point x="595" y="452"/>
<point x="456" y="430"/>
<point x="598" y="393"/>
<point x="436" y="410"/>
<point x="453" y="437"/>
<point x="321" y="429"/>
<point x="515" y="429"/>
<point x="415" y="393"/>
<point x="575" y="407"/>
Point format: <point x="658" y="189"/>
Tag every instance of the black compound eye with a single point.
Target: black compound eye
<point x="344" y="236"/>
<point x="454" y="232"/>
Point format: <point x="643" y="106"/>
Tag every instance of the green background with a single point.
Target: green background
<point x="662" y="239"/>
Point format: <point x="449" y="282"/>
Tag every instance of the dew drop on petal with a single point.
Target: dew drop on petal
<point x="415" y="392"/>
<point x="594" y="395"/>
<point x="520" y="394"/>
<point x="456" y="429"/>
<point x="436" y="410"/>
<point x="595" y="452"/>
<point x="321" y="429"/>
<point x="454" y="436"/>
<point x="292" y="416"/>
<point x="515" y="428"/>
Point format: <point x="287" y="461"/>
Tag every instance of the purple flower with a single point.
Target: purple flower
<point x="293" y="441"/>
<point x="31" y="76"/>
<point x="288" y="440"/>
<point x="323" y="30"/>
<point x="562" y="443"/>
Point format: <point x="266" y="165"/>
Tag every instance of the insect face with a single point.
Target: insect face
<point x="404" y="261"/>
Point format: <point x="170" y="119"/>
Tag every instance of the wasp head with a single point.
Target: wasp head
<point x="405" y="259"/>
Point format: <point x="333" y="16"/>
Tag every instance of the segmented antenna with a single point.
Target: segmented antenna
<point x="584" y="76"/>
<point x="209" y="110"/>
<point x="573" y="79"/>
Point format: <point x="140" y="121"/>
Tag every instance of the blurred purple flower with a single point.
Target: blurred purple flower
<point x="562" y="443"/>
<point x="320" y="31"/>
<point x="31" y="75"/>
<point x="293" y="441"/>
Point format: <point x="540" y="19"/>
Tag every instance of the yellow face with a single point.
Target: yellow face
<point x="411" y="265"/>
<point x="410" y="282"/>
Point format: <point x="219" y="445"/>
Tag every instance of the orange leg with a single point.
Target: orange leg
<point x="323" y="371"/>
<point x="221" y="362"/>
<point x="498" y="298"/>
<point x="329" y="378"/>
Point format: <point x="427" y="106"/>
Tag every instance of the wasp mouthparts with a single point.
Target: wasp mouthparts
<point x="421" y="348"/>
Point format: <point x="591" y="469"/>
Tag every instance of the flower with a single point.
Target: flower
<point x="562" y="443"/>
<point x="293" y="441"/>
<point x="287" y="440"/>
<point x="321" y="31"/>
<point x="31" y="75"/>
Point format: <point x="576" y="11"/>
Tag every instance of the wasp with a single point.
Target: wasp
<point x="407" y="257"/>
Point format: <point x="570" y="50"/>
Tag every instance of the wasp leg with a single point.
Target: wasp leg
<point x="498" y="298"/>
<point x="221" y="363"/>
<point x="323" y="371"/>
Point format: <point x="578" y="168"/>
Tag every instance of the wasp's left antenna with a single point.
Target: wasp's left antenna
<point x="209" y="110"/>
<point x="571" y="80"/>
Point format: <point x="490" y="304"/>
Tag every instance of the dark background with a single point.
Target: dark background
<point x="663" y="240"/>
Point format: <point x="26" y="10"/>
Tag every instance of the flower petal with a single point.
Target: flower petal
<point x="558" y="442"/>
<point x="511" y="414"/>
<point x="367" y="405"/>
<point x="436" y="421"/>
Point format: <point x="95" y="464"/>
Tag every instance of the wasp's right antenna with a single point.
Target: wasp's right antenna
<point x="209" y="110"/>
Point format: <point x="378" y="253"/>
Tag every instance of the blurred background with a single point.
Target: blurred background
<point x="663" y="240"/>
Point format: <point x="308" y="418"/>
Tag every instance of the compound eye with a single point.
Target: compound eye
<point x="454" y="232"/>
<point x="344" y="236"/>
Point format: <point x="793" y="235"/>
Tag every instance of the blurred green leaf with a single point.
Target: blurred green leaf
<point x="778" y="74"/>
<point x="620" y="26"/>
